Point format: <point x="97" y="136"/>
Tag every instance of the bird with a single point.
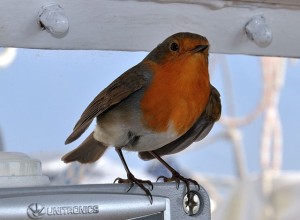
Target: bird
<point x="158" y="107"/>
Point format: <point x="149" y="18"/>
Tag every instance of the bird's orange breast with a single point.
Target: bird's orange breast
<point x="177" y="95"/>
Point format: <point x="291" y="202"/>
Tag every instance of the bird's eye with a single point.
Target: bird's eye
<point x="174" y="46"/>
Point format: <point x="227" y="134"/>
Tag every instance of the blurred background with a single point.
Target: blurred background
<point x="249" y="161"/>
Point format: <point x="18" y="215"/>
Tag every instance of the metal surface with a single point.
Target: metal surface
<point x="105" y="202"/>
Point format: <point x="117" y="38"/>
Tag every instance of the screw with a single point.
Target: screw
<point x="192" y="206"/>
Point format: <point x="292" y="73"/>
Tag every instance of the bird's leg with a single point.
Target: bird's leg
<point x="131" y="178"/>
<point x="175" y="176"/>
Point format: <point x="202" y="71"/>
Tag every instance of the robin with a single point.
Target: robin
<point x="158" y="107"/>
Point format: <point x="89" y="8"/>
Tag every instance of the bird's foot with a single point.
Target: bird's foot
<point x="132" y="180"/>
<point x="177" y="178"/>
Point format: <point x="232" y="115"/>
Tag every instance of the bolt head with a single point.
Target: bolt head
<point x="192" y="206"/>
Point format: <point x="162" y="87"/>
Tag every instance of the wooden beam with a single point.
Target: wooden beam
<point x="276" y="2"/>
<point x="141" y="25"/>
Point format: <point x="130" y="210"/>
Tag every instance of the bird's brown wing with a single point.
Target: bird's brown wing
<point x="196" y="133"/>
<point x="126" y="84"/>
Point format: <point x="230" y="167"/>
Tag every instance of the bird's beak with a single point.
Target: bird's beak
<point x="200" y="48"/>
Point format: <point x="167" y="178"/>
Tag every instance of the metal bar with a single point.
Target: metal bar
<point x="107" y="201"/>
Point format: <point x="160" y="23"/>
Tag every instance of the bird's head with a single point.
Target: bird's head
<point x="180" y="46"/>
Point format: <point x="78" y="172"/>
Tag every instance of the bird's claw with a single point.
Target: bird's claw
<point x="169" y="179"/>
<point x="120" y="180"/>
<point x="165" y="179"/>
<point x="194" y="182"/>
<point x="131" y="179"/>
<point x="177" y="178"/>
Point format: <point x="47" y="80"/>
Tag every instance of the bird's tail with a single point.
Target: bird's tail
<point x="89" y="151"/>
